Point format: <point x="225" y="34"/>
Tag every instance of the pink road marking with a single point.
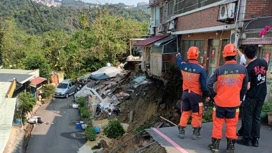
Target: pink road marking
<point x="170" y="140"/>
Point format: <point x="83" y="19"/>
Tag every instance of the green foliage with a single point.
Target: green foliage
<point x="207" y="115"/>
<point x="37" y="61"/>
<point x="48" y="91"/>
<point x="138" y="128"/>
<point x="26" y="103"/>
<point x="84" y="112"/>
<point x="267" y="107"/>
<point x="90" y="133"/>
<point x="75" y="41"/>
<point x="67" y="18"/>
<point x="81" y="101"/>
<point x="114" y="129"/>
<point x="111" y="34"/>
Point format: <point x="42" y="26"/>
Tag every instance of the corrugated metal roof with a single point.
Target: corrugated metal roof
<point x="4" y="86"/>
<point x="150" y="40"/>
<point x="256" y="41"/>
<point x="160" y="42"/>
<point x="37" y="80"/>
<point x="16" y="71"/>
<point x="7" y="109"/>
<point x="21" y="78"/>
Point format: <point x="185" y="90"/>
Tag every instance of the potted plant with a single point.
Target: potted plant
<point x="268" y="108"/>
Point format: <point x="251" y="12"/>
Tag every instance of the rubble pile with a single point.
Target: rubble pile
<point x="107" y="90"/>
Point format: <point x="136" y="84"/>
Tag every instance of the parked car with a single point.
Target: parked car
<point x="65" y="89"/>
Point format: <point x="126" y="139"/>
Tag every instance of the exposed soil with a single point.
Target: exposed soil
<point x="148" y="104"/>
<point x="28" y="129"/>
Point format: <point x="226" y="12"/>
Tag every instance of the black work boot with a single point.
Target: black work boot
<point x="255" y="142"/>
<point x="214" y="147"/>
<point x="230" y="145"/>
<point x="181" y="132"/>
<point x="196" y="133"/>
<point x="243" y="141"/>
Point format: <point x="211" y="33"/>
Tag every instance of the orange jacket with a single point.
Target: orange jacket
<point x="231" y="84"/>
<point x="194" y="76"/>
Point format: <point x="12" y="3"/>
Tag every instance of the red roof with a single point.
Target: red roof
<point x="150" y="40"/>
<point x="37" y="80"/>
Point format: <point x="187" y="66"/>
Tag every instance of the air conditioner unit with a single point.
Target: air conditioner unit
<point x="151" y="31"/>
<point x="227" y="11"/>
<point x="234" y="37"/>
<point x="172" y="26"/>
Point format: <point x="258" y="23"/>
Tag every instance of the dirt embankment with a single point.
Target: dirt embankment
<point x="158" y="99"/>
<point x="28" y="130"/>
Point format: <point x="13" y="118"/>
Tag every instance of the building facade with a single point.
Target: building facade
<point x="211" y="24"/>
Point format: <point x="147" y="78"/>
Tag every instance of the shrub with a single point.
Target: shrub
<point x="114" y="129"/>
<point x="81" y="101"/>
<point x="138" y="129"/>
<point x="267" y="107"/>
<point x="26" y="103"/>
<point x="207" y="115"/>
<point x="84" y="112"/>
<point x="91" y="134"/>
<point x="48" y="91"/>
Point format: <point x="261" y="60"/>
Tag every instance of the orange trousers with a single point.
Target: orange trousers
<point x="227" y="115"/>
<point x="196" y="117"/>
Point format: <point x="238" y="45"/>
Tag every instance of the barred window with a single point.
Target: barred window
<point x="182" y="6"/>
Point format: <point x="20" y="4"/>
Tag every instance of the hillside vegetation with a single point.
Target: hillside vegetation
<point x="66" y="39"/>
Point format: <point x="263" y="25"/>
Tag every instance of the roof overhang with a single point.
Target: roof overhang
<point x="36" y="81"/>
<point x="258" y="23"/>
<point x="163" y="41"/>
<point x="256" y="41"/>
<point x="149" y="41"/>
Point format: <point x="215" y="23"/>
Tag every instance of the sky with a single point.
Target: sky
<point x="127" y="2"/>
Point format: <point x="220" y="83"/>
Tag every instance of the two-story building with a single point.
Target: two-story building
<point x="208" y="24"/>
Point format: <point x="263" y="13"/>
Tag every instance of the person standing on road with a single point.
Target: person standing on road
<point x="194" y="85"/>
<point x="231" y="85"/>
<point x="255" y="97"/>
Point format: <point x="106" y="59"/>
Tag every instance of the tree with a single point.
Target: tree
<point x="26" y="103"/>
<point x="111" y="34"/>
<point x="37" y="61"/>
<point x="12" y="45"/>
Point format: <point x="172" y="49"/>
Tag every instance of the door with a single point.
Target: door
<point x="213" y="53"/>
<point x="265" y="53"/>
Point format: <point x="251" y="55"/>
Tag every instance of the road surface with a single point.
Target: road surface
<point x="58" y="133"/>
<point x="168" y="138"/>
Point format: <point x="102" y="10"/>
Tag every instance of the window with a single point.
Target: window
<point x="170" y="8"/>
<point x="186" y="44"/>
<point x="157" y="16"/>
<point x="182" y="6"/>
<point x="153" y="17"/>
<point x="62" y="86"/>
<point x="224" y="43"/>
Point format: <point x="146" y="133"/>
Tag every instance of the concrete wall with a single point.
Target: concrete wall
<point x="200" y="19"/>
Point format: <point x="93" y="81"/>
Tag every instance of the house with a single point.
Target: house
<point x="12" y="82"/>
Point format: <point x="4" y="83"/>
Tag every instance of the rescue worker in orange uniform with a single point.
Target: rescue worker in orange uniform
<point x="231" y="85"/>
<point x="193" y="86"/>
